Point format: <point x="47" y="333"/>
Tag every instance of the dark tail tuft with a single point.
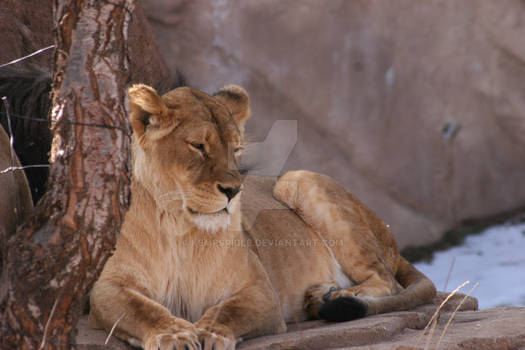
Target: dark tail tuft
<point x="343" y="309"/>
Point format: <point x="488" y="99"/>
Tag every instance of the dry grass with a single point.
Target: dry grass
<point x="43" y="343"/>
<point x="449" y="273"/>
<point x="113" y="328"/>
<point x="454" y="314"/>
<point x="434" y="317"/>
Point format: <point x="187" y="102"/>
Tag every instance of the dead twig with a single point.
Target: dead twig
<point x="14" y="168"/>
<point x="28" y="56"/>
<point x="449" y="273"/>
<point x="43" y="343"/>
<point x="9" y="129"/>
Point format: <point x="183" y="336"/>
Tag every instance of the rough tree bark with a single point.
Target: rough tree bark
<point x="54" y="259"/>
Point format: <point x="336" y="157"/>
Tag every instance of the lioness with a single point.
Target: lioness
<point x="185" y="275"/>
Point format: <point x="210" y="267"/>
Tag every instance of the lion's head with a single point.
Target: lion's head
<point x="186" y="150"/>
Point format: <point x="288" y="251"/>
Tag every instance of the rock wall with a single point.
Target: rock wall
<point x="418" y="107"/>
<point x="415" y="106"/>
<point x="26" y="27"/>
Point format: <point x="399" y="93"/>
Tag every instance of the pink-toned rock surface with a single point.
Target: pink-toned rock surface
<point x="499" y="328"/>
<point x="415" y="106"/>
<point x="27" y="26"/>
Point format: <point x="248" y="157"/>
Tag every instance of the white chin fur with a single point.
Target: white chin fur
<point x="212" y="223"/>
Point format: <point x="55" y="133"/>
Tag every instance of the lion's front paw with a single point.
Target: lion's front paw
<point x="166" y="340"/>
<point x="213" y="341"/>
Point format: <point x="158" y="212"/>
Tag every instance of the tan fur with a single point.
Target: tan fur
<point x="173" y="279"/>
<point x="360" y="242"/>
<point x="185" y="272"/>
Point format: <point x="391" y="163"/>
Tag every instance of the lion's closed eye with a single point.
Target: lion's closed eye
<point x="238" y="150"/>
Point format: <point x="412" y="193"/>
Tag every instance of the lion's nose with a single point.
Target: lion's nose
<point x="230" y="192"/>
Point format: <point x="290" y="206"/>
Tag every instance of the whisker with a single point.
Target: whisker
<point x="172" y="196"/>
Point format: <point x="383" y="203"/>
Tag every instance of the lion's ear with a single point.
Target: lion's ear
<point x="145" y="107"/>
<point x="237" y="101"/>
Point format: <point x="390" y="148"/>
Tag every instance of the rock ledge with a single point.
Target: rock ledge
<point x="498" y="328"/>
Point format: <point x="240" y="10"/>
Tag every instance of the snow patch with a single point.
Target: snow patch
<point x="495" y="258"/>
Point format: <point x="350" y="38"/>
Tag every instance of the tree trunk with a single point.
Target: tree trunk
<point x="53" y="260"/>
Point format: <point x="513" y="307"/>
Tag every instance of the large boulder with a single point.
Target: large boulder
<point x="417" y="107"/>
<point x="15" y="197"/>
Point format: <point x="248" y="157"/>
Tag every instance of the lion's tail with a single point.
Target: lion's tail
<point x="418" y="290"/>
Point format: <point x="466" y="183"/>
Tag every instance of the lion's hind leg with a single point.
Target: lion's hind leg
<point x="368" y="254"/>
<point x="330" y="302"/>
<point x="319" y="304"/>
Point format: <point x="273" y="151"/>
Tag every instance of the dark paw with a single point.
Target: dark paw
<point x="343" y="309"/>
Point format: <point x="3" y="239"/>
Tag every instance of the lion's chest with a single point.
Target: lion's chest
<point x="193" y="280"/>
